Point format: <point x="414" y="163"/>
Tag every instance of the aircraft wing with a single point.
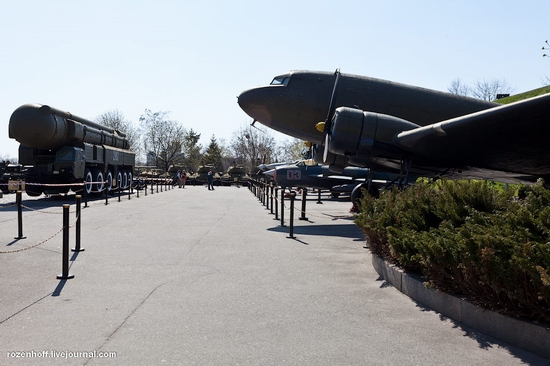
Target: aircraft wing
<point x="510" y="138"/>
<point x="340" y="177"/>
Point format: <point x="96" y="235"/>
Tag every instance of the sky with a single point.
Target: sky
<point x="193" y="58"/>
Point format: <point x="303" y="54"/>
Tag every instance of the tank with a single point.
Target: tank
<point x="65" y="151"/>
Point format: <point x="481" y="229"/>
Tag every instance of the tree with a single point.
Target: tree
<point x="115" y="119"/>
<point x="489" y="89"/>
<point x="546" y="80"/>
<point x="250" y="146"/>
<point x="214" y="155"/>
<point x="291" y="150"/>
<point x="163" y="139"/>
<point x="458" y="88"/>
<point x="191" y="154"/>
<point x="546" y="48"/>
<point x="483" y="89"/>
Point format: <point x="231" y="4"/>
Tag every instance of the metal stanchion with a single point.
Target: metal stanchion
<point x="77" y="247"/>
<point x="276" y="203"/>
<point x="271" y="196"/>
<point x="19" y="201"/>
<point x="319" y="197"/>
<point x="65" y="262"/>
<point x="283" y="207"/>
<point x="304" y="196"/>
<point x="85" y="195"/>
<point x="291" y="233"/>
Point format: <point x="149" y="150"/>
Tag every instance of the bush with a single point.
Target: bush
<point x="469" y="238"/>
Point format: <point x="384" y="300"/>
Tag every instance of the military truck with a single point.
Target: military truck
<point x="69" y="152"/>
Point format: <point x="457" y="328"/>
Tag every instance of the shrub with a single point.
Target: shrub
<point x="468" y="238"/>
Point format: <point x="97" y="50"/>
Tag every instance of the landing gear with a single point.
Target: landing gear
<point x="403" y="180"/>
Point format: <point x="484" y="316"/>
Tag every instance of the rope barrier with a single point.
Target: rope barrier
<point x="42" y="242"/>
<point x="8" y="205"/>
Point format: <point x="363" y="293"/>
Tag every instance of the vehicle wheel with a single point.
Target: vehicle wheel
<point x="99" y="181"/>
<point x="88" y="179"/>
<point x="34" y="191"/>
<point x="119" y="180"/>
<point x="130" y="180"/>
<point x="109" y="180"/>
<point x="124" y="180"/>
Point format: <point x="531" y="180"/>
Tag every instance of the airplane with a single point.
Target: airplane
<point x="309" y="174"/>
<point x="393" y="127"/>
<point x="262" y="168"/>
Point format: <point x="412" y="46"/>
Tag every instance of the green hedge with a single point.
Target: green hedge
<point x="469" y="238"/>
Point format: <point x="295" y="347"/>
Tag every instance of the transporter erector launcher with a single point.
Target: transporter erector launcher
<point x="62" y="148"/>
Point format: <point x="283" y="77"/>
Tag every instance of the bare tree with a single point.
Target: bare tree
<point x="458" y="88"/>
<point x="291" y="150"/>
<point x="488" y="89"/>
<point x="482" y="89"/>
<point x="251" y="146"/>
<point x="115" y="119"/>
<point x="163" y="139"/>
<point x="546" y="80"/>
<point x="546" y="48"/>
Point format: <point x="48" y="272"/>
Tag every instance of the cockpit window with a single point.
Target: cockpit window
<point x="280" y="80"/>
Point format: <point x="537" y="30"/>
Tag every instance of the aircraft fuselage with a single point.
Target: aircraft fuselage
<point x="295" y="102"/>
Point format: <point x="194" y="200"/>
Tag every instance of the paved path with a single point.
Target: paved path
<point x="197" y="277"/>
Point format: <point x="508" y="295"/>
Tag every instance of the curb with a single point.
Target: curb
<point x="525" y="335"/>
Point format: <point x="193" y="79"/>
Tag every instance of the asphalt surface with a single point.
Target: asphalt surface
<point x="197" y="277"/>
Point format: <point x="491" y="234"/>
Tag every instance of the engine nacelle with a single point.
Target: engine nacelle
<point x="336" y="163"/>
<point x="361" y="135"/>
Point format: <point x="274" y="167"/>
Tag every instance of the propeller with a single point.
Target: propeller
<point x="327" y="124"/>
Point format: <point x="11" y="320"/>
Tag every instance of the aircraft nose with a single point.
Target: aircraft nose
<point x="253" y="104"/>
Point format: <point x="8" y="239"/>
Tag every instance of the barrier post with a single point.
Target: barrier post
<point x="267" y="196"/>
<point x="77" y="247"/>
<point x="271" y="196"/>
<point x="304" y="196"/>
<point x="292" y="197"/>
<point x="319" y="197"/>
<point x="152" y="186"/>
<point x="283" y="207"/>
<point x="19" y="199"/>
<point x="85" y="195"/>
<point x="276" y="203"/>
<point x="65" y="262"/>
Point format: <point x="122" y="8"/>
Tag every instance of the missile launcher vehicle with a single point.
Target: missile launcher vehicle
<point x="69" y="152"/>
